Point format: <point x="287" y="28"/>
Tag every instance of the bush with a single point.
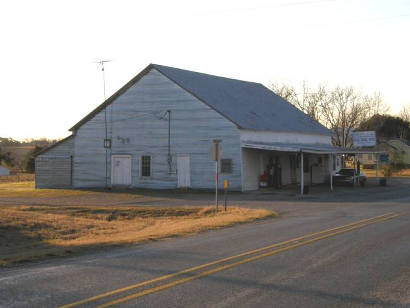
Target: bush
<point x="29" y="161"/>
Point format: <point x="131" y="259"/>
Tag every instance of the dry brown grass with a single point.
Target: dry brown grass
<point x="16" y="178"/>
<point x="372" y="173"/>
<point x="35" y="232"/>
<point x="26" y="189"/>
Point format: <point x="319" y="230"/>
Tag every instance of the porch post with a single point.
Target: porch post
<point x="331" y="171"/>
<point x="354" y="168"/>
<point x="302" y="180"/>
<point x="377" y="165"/>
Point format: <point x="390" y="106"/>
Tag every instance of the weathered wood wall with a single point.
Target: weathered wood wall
<point x="53" y="169"/>
<point x="137" y="125"/>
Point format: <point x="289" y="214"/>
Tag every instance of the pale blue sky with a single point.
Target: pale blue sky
<point x="49" y="82"/>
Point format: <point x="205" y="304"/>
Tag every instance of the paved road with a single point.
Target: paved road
<point x="366" y="266"/>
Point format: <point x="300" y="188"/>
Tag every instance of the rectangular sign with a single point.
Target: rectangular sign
<point x="216" y="150"/>
<point x="364" y="139"/>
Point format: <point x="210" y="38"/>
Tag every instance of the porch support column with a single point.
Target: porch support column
<point x="354" y="168"/>
<point x="331" y="170"/>
<point x="302" y="179"/>
<point x="377" y="165"/>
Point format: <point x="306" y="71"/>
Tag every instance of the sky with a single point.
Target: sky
<point x="49" y="81"/>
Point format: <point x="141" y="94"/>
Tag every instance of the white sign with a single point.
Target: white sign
<point x="364" y="139"/>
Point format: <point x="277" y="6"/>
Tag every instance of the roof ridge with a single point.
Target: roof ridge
<point x="158" y="66"/>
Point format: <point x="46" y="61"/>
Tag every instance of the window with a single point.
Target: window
<point x="369" y="156"/>
<point x="145" y="165"/>
<point x="226" y="165"/>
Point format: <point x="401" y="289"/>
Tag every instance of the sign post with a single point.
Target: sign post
<point x="216" y="154"/>
<point x="226" y="186"/>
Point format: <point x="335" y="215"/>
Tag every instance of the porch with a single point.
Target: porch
<point x="274" y="166"/>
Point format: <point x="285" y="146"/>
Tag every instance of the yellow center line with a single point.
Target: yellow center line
<point x="173" y="275"/>
<point x="228" y="266"/>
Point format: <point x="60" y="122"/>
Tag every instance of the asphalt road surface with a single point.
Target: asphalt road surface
<point x="351" y="251"/>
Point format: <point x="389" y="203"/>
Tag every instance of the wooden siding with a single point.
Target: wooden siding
<point x="137" y="126"/>
<point x="53" y="169"/>
<point x="284" y="137"/>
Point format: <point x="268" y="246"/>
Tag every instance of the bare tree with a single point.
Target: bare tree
<point x="375" y="105"/>
<point x="405" y="113"/>
<point x="405" y="116"/>
<point x="287" y="92"/>
<point x="308" y="100"/>
<point x="342" y="111"/>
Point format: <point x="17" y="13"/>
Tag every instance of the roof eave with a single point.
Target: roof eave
<point x="53" y="145"/>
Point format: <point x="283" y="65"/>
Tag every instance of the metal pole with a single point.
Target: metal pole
<point x="216" y="181"/>
<point x="226" y="198"/>
<point x="302" y="180"/>
<point x="354" y="170"/>
<point x="377" y="165"/>
<point x="331" y="171"/>
<point x="217" y="153"/>
<point x="106" y="128"/>
<point x="169" y="142"/>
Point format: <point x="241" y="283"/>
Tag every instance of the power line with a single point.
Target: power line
<point x="363" y="20"/>
<point x="262" y="7"/>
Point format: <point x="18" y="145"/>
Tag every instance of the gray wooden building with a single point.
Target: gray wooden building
<point x="157" y="131"/>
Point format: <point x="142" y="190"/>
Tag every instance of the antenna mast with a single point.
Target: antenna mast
<point x="107" y="142"/>
<point x="101" y="63"/>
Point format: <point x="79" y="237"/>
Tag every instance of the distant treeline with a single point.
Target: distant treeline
<point x="27" y="142"/>
<point x="20" y="155"/>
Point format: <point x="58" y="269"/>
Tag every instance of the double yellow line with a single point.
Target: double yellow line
<point x="231" y="262"/>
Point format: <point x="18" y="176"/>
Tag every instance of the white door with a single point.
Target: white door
<point x="121" y="170"/>
<point x="184" y="171"/>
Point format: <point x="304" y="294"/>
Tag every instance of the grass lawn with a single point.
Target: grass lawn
<point x="34" y="231"/>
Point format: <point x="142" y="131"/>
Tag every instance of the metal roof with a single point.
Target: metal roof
<point x="249" y="105"/>
<point x="306" y="148"/>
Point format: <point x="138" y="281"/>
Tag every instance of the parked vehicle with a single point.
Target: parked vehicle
<point x="346" y="176"/>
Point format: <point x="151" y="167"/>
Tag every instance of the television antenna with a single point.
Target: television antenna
<point x="107" y="142"/>
<point x="101" y="64"/>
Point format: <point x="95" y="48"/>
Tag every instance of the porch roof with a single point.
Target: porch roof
<point x="307" y="148"/>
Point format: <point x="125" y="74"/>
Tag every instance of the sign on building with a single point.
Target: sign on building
<point x="364" y="139"/>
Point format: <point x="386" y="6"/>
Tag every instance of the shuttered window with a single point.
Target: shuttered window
<point x="226" y="165"/>
<point x="145" y="165"/>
